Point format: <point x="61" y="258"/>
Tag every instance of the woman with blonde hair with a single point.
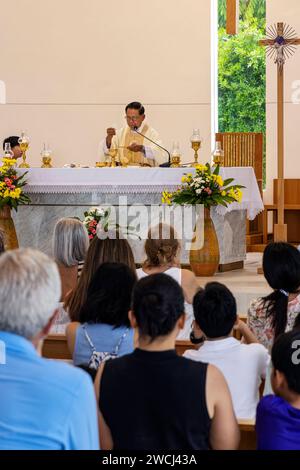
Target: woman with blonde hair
<point x="162" y="249"/>
<point x="111" y="248"/>
<point x="70" y="245"/>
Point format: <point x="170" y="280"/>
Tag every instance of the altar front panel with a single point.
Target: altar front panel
<point x="61" y="193"/>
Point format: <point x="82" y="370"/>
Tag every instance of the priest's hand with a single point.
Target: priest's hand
<point x="110" y="133"/>
<point x="136" y="148"/>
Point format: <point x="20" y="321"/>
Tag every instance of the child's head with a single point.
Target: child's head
<point x="286" y="364"/>
<point x="157" y="307"/>
<point x="215" y="310"/>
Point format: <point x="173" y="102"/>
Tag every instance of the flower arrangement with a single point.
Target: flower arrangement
<point x="205" y="187"/>
<point x="98" y="223"/>
<point x="11" y="185"/>
<point x="93" y="217"/>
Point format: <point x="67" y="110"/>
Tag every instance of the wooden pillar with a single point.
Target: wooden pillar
<point x="232" y="12"/>
<point x="280" y="229"/>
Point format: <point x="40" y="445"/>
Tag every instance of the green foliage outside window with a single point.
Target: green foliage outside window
<point x="242" y="70"/>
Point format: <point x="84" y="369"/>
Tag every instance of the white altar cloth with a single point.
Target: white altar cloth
<point x="136" y="180"/>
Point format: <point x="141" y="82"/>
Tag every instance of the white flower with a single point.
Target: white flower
<point x="198" y="191"/>
<point x="98" y="210"/>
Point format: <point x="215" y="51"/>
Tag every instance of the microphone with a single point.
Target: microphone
<point x="163" y="165"/>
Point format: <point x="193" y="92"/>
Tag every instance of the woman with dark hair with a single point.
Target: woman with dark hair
<point x="270" y="316"/>
<point x="114" y="249"/>
<point x="166" y="402"/>
<point x="103" y="330"/>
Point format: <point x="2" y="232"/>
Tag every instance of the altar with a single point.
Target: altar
<point x="69" y="192"/>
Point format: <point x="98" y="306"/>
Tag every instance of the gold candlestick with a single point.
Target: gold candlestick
<point x="218" y="155"/>
<point x="46" y="154"/>
<point x="175" y="155"/>
<point x="46" y="162"/>
<point x="24" y="145"/>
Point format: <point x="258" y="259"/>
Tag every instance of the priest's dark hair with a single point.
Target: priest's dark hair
<point x="136" y="105"/>
<point x="215" y="310"/>
<point x="13" y="141"/>
<point x="281" y="266"/>
<point x="157" y="304"/>
<point x="109" y="296"/>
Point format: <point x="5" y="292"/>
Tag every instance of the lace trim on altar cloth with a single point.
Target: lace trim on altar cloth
<point x="253" y="208"/>
<point x="107" y="189"/>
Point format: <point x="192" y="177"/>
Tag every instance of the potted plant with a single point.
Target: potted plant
<point x="205" y="187"/>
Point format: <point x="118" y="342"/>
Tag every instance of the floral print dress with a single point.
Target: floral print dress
<point x="261" y="325"/>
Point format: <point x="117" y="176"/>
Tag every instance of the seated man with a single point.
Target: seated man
<point x="44" y="404"/>
<point x="14" y="145"/>
<point x="243" y="365"/>
<point x="133" y="149"/>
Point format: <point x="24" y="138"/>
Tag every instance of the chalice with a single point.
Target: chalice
<point x="24" y="144"/>
<point x="113" y="152"/>
<point x="196" y="145"/>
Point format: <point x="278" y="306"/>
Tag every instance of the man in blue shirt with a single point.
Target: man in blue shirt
<point x="44" y="404"/>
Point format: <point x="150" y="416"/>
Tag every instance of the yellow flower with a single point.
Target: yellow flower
<point x="236" y="194"/>
<point x="201" y="167"/>
<point x="184" y="179"/>
<point x="166" y="198"/>
<point x="7" y="193"/>
<point x="9" y="161"/>
<point x="223" y="193"/>
<point x="2" y="184"/>
<point x="218" y="179"/>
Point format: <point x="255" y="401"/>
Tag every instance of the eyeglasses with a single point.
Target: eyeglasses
<point x="133" y="118"/>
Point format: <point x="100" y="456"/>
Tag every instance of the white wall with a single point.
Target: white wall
<point x="70" y="67"/>
<point x="287" y="12"/>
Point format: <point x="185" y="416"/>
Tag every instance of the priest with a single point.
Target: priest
<point x="133" y="148"/>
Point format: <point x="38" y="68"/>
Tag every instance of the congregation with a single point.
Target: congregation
<point x="126" y="387"/>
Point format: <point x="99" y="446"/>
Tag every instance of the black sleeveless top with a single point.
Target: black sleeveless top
<point x="155" y="401"/>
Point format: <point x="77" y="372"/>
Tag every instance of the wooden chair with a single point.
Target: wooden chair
<point x="246" y="149"/>
<point x="291" y="210"/>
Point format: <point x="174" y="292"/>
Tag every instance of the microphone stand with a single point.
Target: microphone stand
<point x="164" y="165"/>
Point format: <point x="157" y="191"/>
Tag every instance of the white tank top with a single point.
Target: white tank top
<point x="175" y="273"/>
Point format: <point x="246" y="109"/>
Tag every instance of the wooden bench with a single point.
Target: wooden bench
<point x="248" y="435"/>
<point x="56" y="347"/>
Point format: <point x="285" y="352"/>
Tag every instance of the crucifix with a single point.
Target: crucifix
<point x="281" y="43"/>
<point x="232" y="16"/>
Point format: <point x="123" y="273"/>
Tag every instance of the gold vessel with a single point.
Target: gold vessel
<point x="175" y="162"/>
<point x="113" y="155"/>
<point x="196" y="145"/>
<point x="24" y="145"/>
